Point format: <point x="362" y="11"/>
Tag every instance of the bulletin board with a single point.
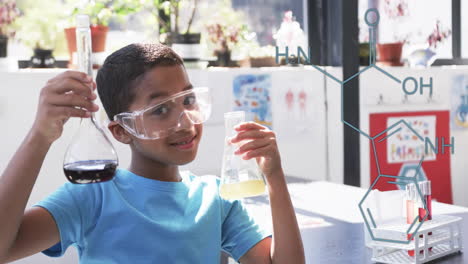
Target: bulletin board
<point x="392" y="157"/>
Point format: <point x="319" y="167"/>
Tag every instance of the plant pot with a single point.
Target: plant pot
<point x="186" y="45"/>
<point x="390" y="53"/>
<point x="262" y="62"/>
<point x="292" y="61"/>
<point x="364" y="53"/>
<point x="224" y="58"/>
<point x="42" y="58"/>
<point x="3" y="46"/>
<point x="98" y="39"/>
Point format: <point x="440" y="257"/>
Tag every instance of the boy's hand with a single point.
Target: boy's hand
<point x="67" y="95"/>
<point x="261" y="145"/>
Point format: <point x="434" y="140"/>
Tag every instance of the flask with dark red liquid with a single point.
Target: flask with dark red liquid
<point x="90" y="157"/>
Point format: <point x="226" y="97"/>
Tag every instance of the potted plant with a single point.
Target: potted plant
<point x="8" y="13"/>
<point x="389" y="53"/>
<point x="426" y="55"/>
<point x="226" y="31"/>
<point x="38" y="29"/>
<point x="169" y="14"/>
<point x="100" y="13"/>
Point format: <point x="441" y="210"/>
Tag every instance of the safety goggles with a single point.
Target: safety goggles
<point x="174" y="113"/>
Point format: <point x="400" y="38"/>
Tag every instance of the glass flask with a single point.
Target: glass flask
<point x="239" y="178"/>
<point x="90" y="157"/>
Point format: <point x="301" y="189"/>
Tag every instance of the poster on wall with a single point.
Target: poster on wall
<point x="404" y="145"/>
<point x="459" y="102"/>
<point x="252" y="95"/>
<point x="399" y="147"/>
<point x="295" y="106"/>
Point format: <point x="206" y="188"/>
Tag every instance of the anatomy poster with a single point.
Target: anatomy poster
<point x="295" y="105"/>
<point x="252" y="94"/>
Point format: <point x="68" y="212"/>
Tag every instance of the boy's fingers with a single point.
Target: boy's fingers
<point x="257" y="153"/>
<point x="252" y="134"/>
<point x="79" y="76"/>
<point x="249" y="125"/>
<point x="77" y="87"/>
<point x="252" y="145"/>
<point x="73" y="100"/>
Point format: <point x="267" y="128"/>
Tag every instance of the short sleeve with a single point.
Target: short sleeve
<point x="240" y="232"/>
<point x="70" y="206"/>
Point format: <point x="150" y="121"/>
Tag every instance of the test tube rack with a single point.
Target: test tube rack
<point x="445" y="239"/>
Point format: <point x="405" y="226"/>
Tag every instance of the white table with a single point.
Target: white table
<point x="331" y="225"/>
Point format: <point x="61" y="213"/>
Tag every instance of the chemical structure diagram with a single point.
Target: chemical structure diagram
<point x="410" y="86"/>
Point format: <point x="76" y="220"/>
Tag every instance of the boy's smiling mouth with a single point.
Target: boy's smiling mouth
<point x="184" y="143"/>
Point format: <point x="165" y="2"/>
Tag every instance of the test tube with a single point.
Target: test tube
<point x="409" y="204"/>
<point x="417" y="200"/>
<point x="427" y="195"/>
<point x="428" y="198"/>
<point x="421" y="210"/>
<point x="411" y="208"/>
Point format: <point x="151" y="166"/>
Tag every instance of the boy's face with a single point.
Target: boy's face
<point x="180" y="147"/>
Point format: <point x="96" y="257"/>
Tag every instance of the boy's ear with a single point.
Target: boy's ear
<point x="119" y="132"/>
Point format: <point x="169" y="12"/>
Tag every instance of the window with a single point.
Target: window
<point x="411" y="21"/>
<point x="265" y="16"/>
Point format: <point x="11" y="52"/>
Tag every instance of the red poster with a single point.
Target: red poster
<point x="401" y="148"/>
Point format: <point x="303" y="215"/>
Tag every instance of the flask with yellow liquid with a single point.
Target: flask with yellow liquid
<point x="239" y="178"/>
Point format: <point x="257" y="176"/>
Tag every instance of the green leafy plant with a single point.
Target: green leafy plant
<point x="226" y="28"/>
<point x="38" y="27"/>
<point x="167" y="11"/>
<point x="101" y="11"/>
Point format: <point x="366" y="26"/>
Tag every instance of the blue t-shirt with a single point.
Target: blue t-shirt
<point x="133" y="219"/>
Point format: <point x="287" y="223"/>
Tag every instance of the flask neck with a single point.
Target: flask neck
<point x="90" y="122"/>
<point x="231" y="120"/>
<point x="84" y="50"/>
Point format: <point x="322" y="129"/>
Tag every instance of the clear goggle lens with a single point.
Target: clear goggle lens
<point x="177" y="112"/>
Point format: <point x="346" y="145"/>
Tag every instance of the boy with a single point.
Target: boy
<point x="149" y="213"/>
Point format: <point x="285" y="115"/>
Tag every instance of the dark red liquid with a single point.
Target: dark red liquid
<point x="422" y="214"/>
<point x="429" y="206"/>
<point x="90" y="171"/>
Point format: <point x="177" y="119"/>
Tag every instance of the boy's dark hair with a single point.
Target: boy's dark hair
<point x="119" y="73"/>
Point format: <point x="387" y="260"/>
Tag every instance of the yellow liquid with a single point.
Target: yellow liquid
<point x="242" y="189"/>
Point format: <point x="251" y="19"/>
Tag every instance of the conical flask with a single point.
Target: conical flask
<point x="239" y="178"/>
<point x="90" y="157"/>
